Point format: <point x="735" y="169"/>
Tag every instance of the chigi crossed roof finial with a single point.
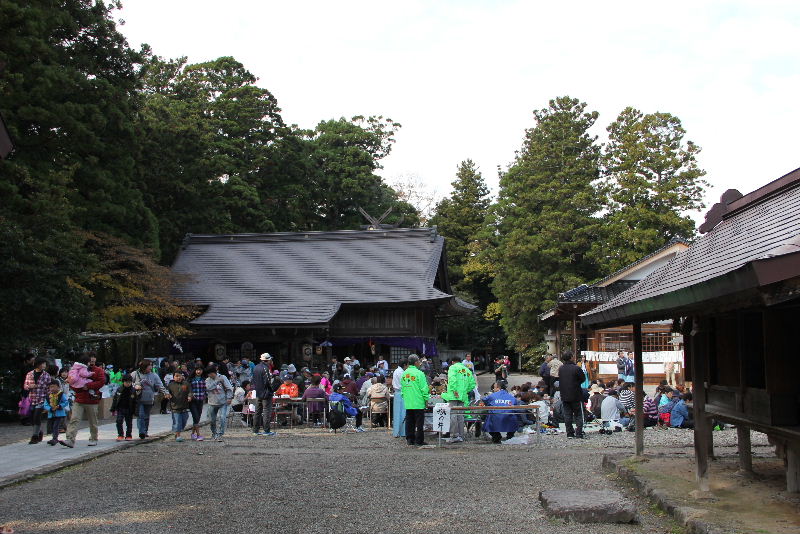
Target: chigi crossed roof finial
<point x="377" y="224"/>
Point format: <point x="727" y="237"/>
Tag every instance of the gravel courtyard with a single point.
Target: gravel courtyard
<point x="312" y="481"/>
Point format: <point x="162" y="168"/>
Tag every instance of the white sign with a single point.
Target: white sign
<point x="647" y="357"/>
<point x="441" y="417"/>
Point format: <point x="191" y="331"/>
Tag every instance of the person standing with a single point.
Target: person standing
<point x="122" y="406"/>
<point x="146" y="383"/>
<point x="86" y="402"/>
<point x="460" y="383"/>
<point x="498" y="422"/>
<point x="262" y="385"/>
<point x="554" y="365"/>
<point x="468" y="362"/>
<point x="220" y="395"/>
<point x="415" y="392"/>
<point x="37" y="382"/>
<point x="198" y="385"/>
<point x="570" y="379"/>
<point x="629" y="373"/>
<point x="180" y="397"/>
<point x="56" y="405"/>
<point x="621" y="365"/>
<point x="544" y="371"/>
<point x="399" y="409"/>
<point x="669" y="371"/>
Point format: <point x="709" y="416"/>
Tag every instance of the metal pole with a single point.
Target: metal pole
<point x="638" y="370"/>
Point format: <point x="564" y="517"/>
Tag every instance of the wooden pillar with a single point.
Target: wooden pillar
<point x="558" y="338"/>
<point x="745" y="451"/>
<point x="793" y="467"/>
<point x="575" y="334"/>
<point x="638" y="369"/>
<point x="701" y="430"/>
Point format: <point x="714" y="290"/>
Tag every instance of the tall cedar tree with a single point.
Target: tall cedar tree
<point x="206" y="131"/>
<point x="346" y="155"/>
<point x="544" y="220"/>
<point x="460" y="219"/>
<point x="651" y="180"/>
<point x="67" y="92"/>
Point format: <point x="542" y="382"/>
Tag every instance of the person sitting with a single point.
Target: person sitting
<point x="680" y="416"/>
<point x="349" y="386"/>
<point x="596" y="399"/>
<point x="627" y="396"/>
<point x="542" y="408"/>
<point x="498" y="422"/>
<point x="378" y="395"/>
<point x="338" y="396"/>
<point x="288" y="388"/>
<point x="611" y="409"/>
<point x="315" y="409"/>
<point x="667" y="403"/>
<point x="239" y="395"/>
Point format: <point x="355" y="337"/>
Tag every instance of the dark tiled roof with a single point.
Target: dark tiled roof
<point x="593" y="294"/>
<point x="767" y="227"/>
<point x="303" y="278"/>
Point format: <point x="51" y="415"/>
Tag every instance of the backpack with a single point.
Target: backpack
<point x="336" y="416"/>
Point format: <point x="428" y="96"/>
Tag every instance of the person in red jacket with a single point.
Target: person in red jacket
<point x="87" y="400"/>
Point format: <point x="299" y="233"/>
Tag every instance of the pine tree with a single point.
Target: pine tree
<point x="460" y="216"/>
<point x="651" y="180"/>
<point x="543" y="220"/>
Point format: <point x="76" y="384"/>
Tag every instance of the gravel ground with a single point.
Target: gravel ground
<point x="312" y="481"/>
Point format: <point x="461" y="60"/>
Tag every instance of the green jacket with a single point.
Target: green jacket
<point x="460" y="381"/>
<point x="414" y="388"/>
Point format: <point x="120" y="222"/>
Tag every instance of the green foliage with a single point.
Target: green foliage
<point x="533" y="357"/>
<point x="68" y="97"/>
<point x="460" y="217"/>
<point x="346" y="155"/>
<point x="543" y="217"/>
<point x="651" y="181"/>
<point x="206" y="132"/>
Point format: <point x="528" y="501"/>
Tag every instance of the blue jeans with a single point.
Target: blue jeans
<point x="143" y="413"/>
<point x="179" y="421"/>
<point x="220" y="410"/>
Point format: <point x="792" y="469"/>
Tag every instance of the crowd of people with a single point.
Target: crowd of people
<point x="58" y="399"/>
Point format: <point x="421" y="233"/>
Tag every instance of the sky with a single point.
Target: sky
<point x="463" y="77"/>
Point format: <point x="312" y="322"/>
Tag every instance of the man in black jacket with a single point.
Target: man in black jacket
<point x="570" y="379"/>
<point x="262" y="385"/>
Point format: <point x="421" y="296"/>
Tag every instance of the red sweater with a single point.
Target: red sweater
<point x="98" y="380"/>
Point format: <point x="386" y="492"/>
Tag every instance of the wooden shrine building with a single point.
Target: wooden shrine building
<point x="308" y="296"/>
<point x="600" y="346"/>
<point x="736" y="294"/>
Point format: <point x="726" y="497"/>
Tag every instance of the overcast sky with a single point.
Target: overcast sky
<point x="463" y="77"/>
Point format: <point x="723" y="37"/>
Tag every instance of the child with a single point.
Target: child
<point x="124" y="406"/>
<point x="180" y="397"/>
<point x="80" y="375"/>
<point x="56" y="404"/>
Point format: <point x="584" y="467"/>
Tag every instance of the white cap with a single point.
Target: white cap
<point x="266" y="357"/>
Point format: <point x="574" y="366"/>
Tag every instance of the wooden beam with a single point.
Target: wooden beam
<point x="638" y="371"/>
<point x="698" y="339"/>
<point x="575" y="333"/>
<point x="745" y="450"/>
<point x="793" y="467"/>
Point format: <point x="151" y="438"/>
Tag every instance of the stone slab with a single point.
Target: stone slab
<point x="588" y="506"/>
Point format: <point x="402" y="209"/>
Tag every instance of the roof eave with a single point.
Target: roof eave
<point x="695" y="298"/>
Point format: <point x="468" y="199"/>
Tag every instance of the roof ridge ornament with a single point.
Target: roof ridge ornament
<point x="377" y="224"/>
<point x="715" y="215"/>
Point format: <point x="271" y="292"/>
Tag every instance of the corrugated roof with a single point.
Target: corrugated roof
<point x="303" y="278"/>
<point x="769" y="225"/>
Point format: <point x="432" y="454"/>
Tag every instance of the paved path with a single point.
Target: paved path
<point x="20" y="458"/>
